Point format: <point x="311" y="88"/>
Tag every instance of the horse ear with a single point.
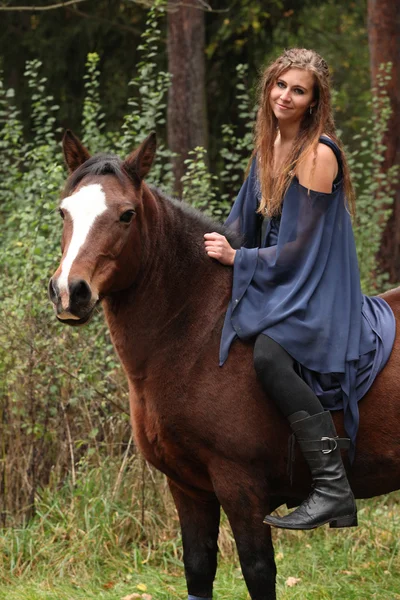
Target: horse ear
<point x="75" y="153"/>
<point x="138" y="163"/>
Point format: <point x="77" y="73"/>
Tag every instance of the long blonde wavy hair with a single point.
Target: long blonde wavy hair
<point x="311" y="128"/>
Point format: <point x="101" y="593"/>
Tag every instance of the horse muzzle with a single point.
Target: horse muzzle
<point x="75" y="305"/>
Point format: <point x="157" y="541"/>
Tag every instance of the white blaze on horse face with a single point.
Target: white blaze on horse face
<point x="83" y="207"/>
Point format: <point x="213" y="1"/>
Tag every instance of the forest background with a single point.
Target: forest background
<point x="75" y="497"/>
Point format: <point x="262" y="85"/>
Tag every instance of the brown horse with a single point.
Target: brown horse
<point x="209" y="429"/>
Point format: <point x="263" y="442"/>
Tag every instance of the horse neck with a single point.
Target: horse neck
<point x="177" y="285"/>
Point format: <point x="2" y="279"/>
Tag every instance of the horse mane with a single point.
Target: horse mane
<point x="110" y="164"/>
<point x="197" y="219"/>
<point x="99" y="164"/>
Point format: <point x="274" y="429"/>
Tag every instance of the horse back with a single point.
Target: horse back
<point x="376" y="469"/>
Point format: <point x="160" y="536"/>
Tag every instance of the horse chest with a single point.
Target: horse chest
<point x="164" y="444"/>
<point x="150" y="434"/>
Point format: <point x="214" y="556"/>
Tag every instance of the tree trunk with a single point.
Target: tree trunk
<point x="384" y="45"/>
<point x="187" y="113"/>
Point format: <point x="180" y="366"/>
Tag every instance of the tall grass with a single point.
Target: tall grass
<point x="116" y="529"/>
<point x="118" y="513"/>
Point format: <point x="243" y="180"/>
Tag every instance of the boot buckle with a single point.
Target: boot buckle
<point x="333" y="446"/>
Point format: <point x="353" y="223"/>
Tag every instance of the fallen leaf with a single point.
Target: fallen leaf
<point x="142" y="587"/>
<point x="131" y="597"/>
<point x="147" y="597"/>
<point x="279" y="556"/>
<point x="109" y="585"/>
<point x="291" y="581"/>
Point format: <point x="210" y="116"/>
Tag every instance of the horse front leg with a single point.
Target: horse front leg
<point x="199" y="522"/>
<point x="243" y="496"/>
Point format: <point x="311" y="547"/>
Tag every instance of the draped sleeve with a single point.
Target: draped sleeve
<point x="304" y="292"/>
<point x="243" y="218"/>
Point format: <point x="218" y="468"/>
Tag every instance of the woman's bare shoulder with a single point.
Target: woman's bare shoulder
<point x="318" y="171"/>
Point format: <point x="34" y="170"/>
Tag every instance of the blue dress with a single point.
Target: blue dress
<point x="300" y="285"/>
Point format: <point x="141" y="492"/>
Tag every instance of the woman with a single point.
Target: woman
<point x="296" y="285"/>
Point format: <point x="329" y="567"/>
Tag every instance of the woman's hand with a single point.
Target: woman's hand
<point x="217" y="246"/>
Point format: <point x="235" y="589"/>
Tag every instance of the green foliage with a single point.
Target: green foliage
<point x="374" y="187"/>
<point x="58" y="402"/>
<point x="25" y="250"/>
<point x="148" y="105"/>
<point x="243" y="31"/>
<point x="62" y="39"/>
<point x="211" y="193"/>
<point x="92" y="115"/>
<point x="198" y="188"/>
<point x="11" y="148"/>
<point x="10" y="127"/>
<point x="42" y="107"/>
<point x="237" y="149"/>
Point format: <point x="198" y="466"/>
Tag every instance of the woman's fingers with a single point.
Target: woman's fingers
<point x="213" y="236"/>
<point x="215" y="239"/>
<point x="214" y="247"/>
<point x="217" y="246"/>
<point x="214" y="243"/>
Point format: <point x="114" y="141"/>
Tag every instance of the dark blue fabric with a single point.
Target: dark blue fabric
<point x="303" y="291"/>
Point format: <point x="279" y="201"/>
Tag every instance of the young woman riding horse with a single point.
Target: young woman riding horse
<point x="296" y="283"/>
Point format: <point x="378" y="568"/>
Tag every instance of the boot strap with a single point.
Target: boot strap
<point x="326" y="445"/>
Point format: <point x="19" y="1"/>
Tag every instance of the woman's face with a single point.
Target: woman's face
<point x="292" y="95"/>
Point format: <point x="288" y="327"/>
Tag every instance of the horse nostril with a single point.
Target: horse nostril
<point x="79" y="292"/>
<point x="53" y="292"/>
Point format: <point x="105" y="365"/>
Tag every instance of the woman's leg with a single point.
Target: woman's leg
<point x="277" y="375"/>
<point x="331" y="500"/>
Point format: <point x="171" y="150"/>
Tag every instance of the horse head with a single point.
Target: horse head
<point x="102" y="208"/>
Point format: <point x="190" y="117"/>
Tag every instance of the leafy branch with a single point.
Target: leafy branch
<point x="35" y="8"/>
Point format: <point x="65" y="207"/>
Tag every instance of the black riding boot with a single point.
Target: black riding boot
<point x="331" y="500"/>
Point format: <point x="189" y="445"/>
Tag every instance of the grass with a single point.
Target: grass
<point x="99" y="541"/>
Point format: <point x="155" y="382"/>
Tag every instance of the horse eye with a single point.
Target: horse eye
<point x="127" y="216"/>
<point x="61" y="213"/>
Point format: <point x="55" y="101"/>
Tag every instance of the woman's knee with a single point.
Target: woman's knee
<point x="262" y="363"/>
<point x="270" y="358"/>
<point x="264" y="359"/>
